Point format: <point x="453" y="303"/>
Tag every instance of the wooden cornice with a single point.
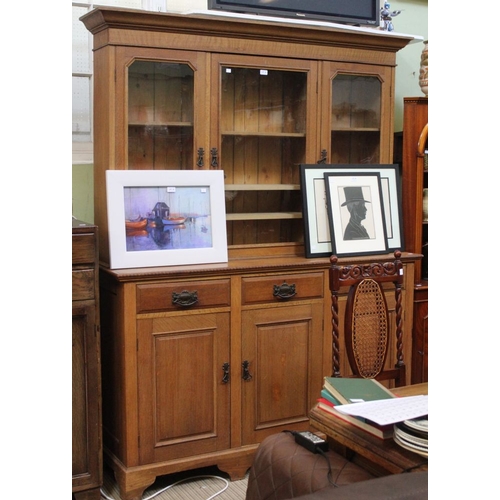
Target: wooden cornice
<point x="205" y="25"/>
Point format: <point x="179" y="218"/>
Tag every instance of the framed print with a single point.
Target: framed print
<point x="355" y="213"/>
<point x="316" y="224"/>
<point x="167" y="217"/>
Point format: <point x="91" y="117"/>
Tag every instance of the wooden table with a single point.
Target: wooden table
<point x="380" y="456"/>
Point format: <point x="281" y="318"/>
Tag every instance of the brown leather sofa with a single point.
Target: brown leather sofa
<point x="283" y="470"/>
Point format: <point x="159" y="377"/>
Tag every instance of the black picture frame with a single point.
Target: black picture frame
<point x="317" y="240"/>
<point x="355" y="213"/>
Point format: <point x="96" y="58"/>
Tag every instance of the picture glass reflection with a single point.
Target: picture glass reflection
<point x="167" y="217"/>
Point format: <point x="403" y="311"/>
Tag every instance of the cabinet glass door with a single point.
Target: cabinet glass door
<point x="164" y="109"/>
<point x="160" y="113"/>
<point x="263" y="137"/>
<point x="355" y="124"/>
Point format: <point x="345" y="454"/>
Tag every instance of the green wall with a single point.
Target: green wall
<point x="83" y="192"/>
<point x="412" y="20"/>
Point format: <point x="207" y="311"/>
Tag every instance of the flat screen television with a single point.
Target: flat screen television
<point x="355" y="12"/>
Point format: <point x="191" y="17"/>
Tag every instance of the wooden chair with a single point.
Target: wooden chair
<point x="367" y="324"/>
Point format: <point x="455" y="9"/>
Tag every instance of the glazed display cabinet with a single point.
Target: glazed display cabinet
<point x="255" y="99"/>
<point x="203" y="384"/>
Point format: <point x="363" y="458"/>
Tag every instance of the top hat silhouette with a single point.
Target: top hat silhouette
<point x="353" y="193"/>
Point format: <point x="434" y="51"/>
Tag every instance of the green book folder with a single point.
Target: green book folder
<point x="351" y="390"/>
<point x="328" y="396"/>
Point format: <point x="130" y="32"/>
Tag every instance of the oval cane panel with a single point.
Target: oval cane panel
<point x="370" y="328"/>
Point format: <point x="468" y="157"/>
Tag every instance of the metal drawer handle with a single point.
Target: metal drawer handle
<point x="201" y="160"/>
<point x="284" y="291"/>
<point x="322" y="158"/>
<point x="246" y="372"/>
<point x="214" y="161"/>
<point x="225" y="371"/>
<point x="185" y="298"/>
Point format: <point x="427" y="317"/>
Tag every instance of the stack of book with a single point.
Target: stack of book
<point x="340" y="391"/>
<point x="413" y="435"/>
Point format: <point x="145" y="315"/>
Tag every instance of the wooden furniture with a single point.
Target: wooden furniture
<point x="201" y="385"/>
<point x="369" y="333"/>
<point x="87" y="441"/>
<point x="414" y="181"/>
<point x="379" y="456"/>
<point x="254" y="98"/>
<point x="185" y="387"/>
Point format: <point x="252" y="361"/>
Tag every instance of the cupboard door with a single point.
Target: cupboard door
<point x="282" y="350"/>
<point x="183" y="394"/>
<point x="86" y="435"/>
<point x="357" y="113"/>
<point x="263" y="127"/>
<point x="164" y="109"/>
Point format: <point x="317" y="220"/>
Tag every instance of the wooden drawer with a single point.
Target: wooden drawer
<point x="84" y="248"/>
<point x="159" y="297"/>
<point x="276" y="288"/>
<point x="83" y="284"/>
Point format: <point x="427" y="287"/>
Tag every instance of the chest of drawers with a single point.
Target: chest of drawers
<point x="201" y="363"/>
<point x="86" y="375"/>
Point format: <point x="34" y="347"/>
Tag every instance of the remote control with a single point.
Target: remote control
<point x="311" y="442"/>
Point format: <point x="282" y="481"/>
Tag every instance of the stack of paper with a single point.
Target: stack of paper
<point x="389" y="411"/>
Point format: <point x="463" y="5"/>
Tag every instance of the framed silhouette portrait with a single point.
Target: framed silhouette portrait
<point x="355" y="213"/>
<point x="317" y="240"/>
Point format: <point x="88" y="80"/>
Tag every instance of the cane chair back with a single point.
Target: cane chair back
<point x="367" y="325"/>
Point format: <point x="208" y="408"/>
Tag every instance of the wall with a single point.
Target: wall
<point x="82" y="200"/>
<point x="412" y="20"/>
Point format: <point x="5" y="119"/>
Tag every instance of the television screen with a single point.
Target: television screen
<point x="361" y="12"/>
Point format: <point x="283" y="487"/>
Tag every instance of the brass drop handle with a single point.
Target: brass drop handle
<point x="284" y="291"/>
<point x="246" y="372"/>
<point x="225" y="372"/>
<point x="184" y="298"/>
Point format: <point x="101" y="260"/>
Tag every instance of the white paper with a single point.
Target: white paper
<point x="388" y="411"/>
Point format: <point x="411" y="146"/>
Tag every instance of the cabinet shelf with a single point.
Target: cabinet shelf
<point x="262" y="187"/>
<point x="264" y="216"/>
<point x="355" y="129"/>
<point x="160" y="124"/>
<point x="264" y="134"/>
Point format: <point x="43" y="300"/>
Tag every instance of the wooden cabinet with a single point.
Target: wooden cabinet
<point x="184" y="399"/>
<point x="282" y="342"/>
<point x="415" y="217"/>
<point x="86" y="379"/>
<point x="184" y="385"/>
<point x="187" y="386"/>
<point x="254" y="98"/>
